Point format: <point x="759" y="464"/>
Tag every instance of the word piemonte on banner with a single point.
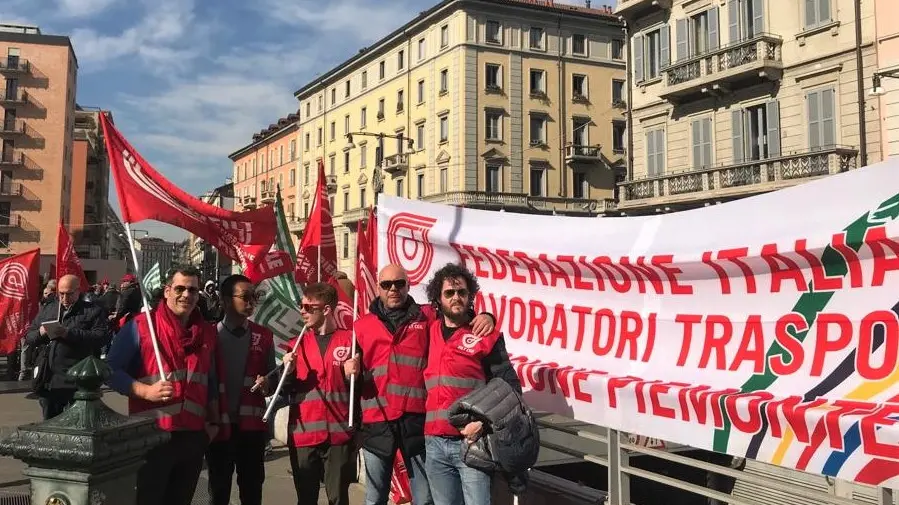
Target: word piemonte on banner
<point x="317" y="256"/>
<point x="775" y="342"/>
<point x="19" y="297"/>
<point x="67" y="262"/>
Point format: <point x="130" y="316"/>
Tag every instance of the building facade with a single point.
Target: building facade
<point x="117" y="248"/>
<point x="738" y="97"/>
<point x="200" y="253"/>
<point x="887" y="86"/>
<point x="498" y="104"/>
<point x="156" y="250"/>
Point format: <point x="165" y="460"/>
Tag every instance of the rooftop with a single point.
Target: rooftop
<point x="267" y="133"/>
<point x="30" y="34"/>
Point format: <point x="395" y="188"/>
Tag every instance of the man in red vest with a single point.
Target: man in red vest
<point x="458" y="363"/>
<point x="321" y="440"/>
<point x="246" y="353"/>
<point x="393" y="347"/>
<point x="183" y="400"/>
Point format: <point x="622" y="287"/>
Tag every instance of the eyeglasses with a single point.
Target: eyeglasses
<point x="449" y="293"/>
<point x="397" y="283"/>
<point x="179" y="290"/>
<point x="309" y="307"/>
<point x="251" y="297"/>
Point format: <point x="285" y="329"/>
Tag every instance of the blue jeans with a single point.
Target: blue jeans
<point x="378" y="472"/>
<point x="452" y="481"/>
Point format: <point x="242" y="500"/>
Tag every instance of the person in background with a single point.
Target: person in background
<point x="82" y="331"/>
<point x="110" y="297"/>
<point x="27" y="352"/>
<point x="458" y="363"/>
<point x="129" y="303"/>
<point x="211" y="303"/>
<point x="345" y="284"/>
<point x="184" y="399"/>
<point x="246" y="354"/>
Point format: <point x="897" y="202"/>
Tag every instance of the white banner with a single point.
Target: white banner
<point x="764" y="328"/>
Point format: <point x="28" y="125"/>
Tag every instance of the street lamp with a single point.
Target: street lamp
<point x="876" y="81"/>
<point x="377" y="180"/>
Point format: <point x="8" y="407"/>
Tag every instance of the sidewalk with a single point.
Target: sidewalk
<point x="16" y="410"/>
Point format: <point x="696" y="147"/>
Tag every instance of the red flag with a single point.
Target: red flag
<point x="273" y="264"/>
<point x="344" y="312"/>
<point x="318" y="238"/>
<point x="67" y="262"/>
<point x="19" y="297"/>
<point x="371" y="233"/>
<point x="146" y="194"/>
<point x="366" y="276"/>
<point x="400" y="487"/>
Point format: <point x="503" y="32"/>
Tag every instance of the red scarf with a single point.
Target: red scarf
<point x="177" y="340"/>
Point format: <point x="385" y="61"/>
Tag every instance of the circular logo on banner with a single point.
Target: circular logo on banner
<point x="408" y="245"/>
<point x="469" y="341"/>
<point x="341" y="353"/>
<point x="14" y="281"/>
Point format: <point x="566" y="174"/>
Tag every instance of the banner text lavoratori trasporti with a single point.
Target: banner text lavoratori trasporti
<point x="765" y="328"/>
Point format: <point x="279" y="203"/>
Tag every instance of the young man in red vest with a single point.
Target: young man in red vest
<point x="246" y="353"/>
<point x="184" y="400"/>
<point x="458" y="363"/>
<point x="392" y="347"/>
<point x="321" y="440"/>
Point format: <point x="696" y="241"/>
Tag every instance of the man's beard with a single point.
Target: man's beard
<point x="460" y="318"/>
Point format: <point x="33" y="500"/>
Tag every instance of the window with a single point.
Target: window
<point x="651" y="54"/>
<point x="494" y="32"/>
<point x="362" y="200"/>
<point x="579" y="87"/>
<point x="306" y="143"/>
<point x="538" y="181"/>
<point x="755" y="132"/>
<point x="281" y="155"/>
<point x="618" y="130"/>
<point x="382" y="70"/>
<point x="817" y="13"/>
<point x="346" y="245"/>
<point x="399" y="187"/>
<point x="346" y="92"/>
<point x="333" y="96"/>
<point x="420" y="185"/>
<point x="333" y="130"/>
<point x="5" y="217"/>
<point x="332" y="164"/>
<point x="381" y="109"/>
<point x="293" y="149"/>
<point x="421" y="49"/>
<point x="321" y="102"/>
<point x="291" y="210"/>
<point x="493" y="123"/>
<point x="331" y="203"/>
<point x="444" y="81"/>
<point x="308" y="109"/>
<point x="493" y="179"/>
<point x="261" y="156"/>
<point x="363" y="117"/>
<point x="346" y="124"/>
<point x="306" y="173"/>
<point x="494" y="77"/>
<point x="617" y="49"/>
<point x="306" y="210"/>
<point x="537" y="38"/>
<point x="292" y="177"/>
<point x="617" y="91"/>
<point x="580" y="131"/>
<point x="421" y="91"/>
<point x="364" y="79"/>
<point x="400" y="60"/>
<point x="444" y="180"/>
<point x="444" y="129"/>
<point x="747" y="18"/>
<point x="420" y="136"/>
<point x="655" y="152"/>
<point x="444" y="36"/>
<point x="346" y="201"/>
<point x="400" y="101"/>
<point x="363" y="155"/>
<point x="400" y="143"/>
<point x="538" y="82"/>
<point x="579" y="44"/>
<point x="702" y="143"/>
<point x="320" y="137"/>
<point x="581" y="189"/>
<point x="697" y="34"/>
<point x="346" y="162"/>
<point x="538" y="130"/>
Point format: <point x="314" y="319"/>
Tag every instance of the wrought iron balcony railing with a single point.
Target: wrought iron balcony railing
<point x="583" y="153"/>
<point x="522" y="202"/>
<point x="9" y="65"/>
<point x="15" y="98"/>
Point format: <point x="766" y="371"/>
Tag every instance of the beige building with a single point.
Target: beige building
<point x="498" y="104"/>
<point x="736" y="97"/>
<point x="886" y="84"/>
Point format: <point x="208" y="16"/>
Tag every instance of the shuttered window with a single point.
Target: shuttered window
<point x="655" y="152"/>
<point x="702" y="143"/>
<point x="821" y="126"/>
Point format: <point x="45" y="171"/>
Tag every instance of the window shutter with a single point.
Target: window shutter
<point x="811" y="13"/>
<point x="706" y="142"/>
<point x="638" y="58"/>
<point x="499" y="77"/>
<point x="772" y="111"/>
<point x="758" y="17"/>
<point x="660" y="152"/>
<point x="823" y="11"/>
<point x="664" y="47"/>
<point x="713" y="29"/>
<point x="680" y="30"/>
<point x="697" y="144"/>
<point x="828" y="126"/>
<point x="650" y="153"/>
<point x="737" y="135"/>
<point x="733" y="20"/>
<point x="814" y="119"/>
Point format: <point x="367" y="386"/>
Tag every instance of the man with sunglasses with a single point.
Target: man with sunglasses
<point x="392" y="352"/>
<point x="184" y="400"/>
<point x="246" y="353"/>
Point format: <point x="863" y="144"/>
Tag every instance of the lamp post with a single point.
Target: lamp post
<point x="877" y="79"/>
<point x="377" y="178"/>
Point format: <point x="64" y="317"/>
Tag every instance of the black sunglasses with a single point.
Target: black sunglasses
<point x="179" y="290"/>
<point x="251" y="297"/>
<point x="449" y="293"/>
<point x="398" y="284"/>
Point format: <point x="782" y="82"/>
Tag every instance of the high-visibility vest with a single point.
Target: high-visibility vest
<point x="251" y="406"/>
<point x="455" y="368"/>
<point x="396" y="365"/>
<point x="189" y="375"/>
<point x="322" y="411"/>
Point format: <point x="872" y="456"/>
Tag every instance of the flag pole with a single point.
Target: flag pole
<point x="271" y="404"/>
<point x="352" y="354"/>
<point x="145" y="305"/>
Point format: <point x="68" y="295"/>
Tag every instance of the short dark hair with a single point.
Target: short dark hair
<point x="451" y="271"/>
<point x="323" y="292"/>
<point x="227" y="288"/>
<point x="187" y="271"/>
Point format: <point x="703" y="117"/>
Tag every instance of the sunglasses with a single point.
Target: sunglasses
<point x="251" y="297"/>
<point x="179" y="290"/>
<point x="449" y="293"/>
<point x="308" y="307"/>
<point x="398" y="284"/>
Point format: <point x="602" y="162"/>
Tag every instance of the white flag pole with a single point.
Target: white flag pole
<point x="352" y="353"/>
<point x="271" y="404"/>
<point x="146" y="306"/>
<point x="320" y="259"/>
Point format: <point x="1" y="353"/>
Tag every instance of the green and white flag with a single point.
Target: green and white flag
<point x="279" y="310"/>
<point x="152" y="279"/>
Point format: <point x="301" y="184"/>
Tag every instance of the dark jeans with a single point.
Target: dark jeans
<point x="244" y="452"/>
<point x="309" y="463"/>
<point x="170" y="475"/>
<point x="55" y="401"/>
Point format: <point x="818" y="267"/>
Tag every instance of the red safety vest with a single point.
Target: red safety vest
<point x="186" y="411"/>
<point x="396" y="365"/>
<point x="252" y="404"/>
<point x="454" y="369"/>
<point x="323" y="394"/>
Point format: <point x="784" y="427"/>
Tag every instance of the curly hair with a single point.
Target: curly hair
<point x="452" y="271"/>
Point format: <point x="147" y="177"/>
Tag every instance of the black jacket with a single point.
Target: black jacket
<point x="129" y="302"/>
<point x="87" y="333"/>
<point x="109" y="300"/>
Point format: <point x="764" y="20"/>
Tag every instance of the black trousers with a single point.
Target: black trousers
<point x="55" y="401"/>
<point x="170" y="475"/>
<point x="334" y="462"/>
<point x="244" y="452"/>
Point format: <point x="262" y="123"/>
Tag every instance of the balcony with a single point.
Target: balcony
<point x="636" y="8"/>
<point x="583" y="153"/>
<point x="732" y="66"/>
<point x="354" y="216"/>
<point x="10" y="66"/>
<point x="11" y="160"/>
<point x="248" y="202"/>
<point x="24" y="167"/>
<point x="13" y="128"/>
<point x="519" y="202"/>
<point x="267" y="197"/>
<point x="296" y="224"/>
<point x="10" y="222"/>
<point x="736" y="180"/>
<point x="88" y="252"/>
<point x="13" y="98"/>
<point x="396" y="163"/>
<point x="11" y="189"/>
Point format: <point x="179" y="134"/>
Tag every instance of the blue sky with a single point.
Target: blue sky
<point x="190" y="81"/>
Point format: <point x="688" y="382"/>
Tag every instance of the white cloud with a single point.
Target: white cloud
<point x="82" y="8"/>
<point x="364" y="20"/>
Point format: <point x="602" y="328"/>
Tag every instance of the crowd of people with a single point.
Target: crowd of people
<point x="211" y="372"/>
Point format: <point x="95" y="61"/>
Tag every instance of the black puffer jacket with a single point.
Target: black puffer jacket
<point x="512" y="440"/>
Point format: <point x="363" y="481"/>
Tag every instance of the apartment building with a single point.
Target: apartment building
<point x="732" y="98"/>
<point x="886" y="83"/>
<point x="154" y="250"/>
<point x="37" y="101"/>
<point x="266" y="163"/>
